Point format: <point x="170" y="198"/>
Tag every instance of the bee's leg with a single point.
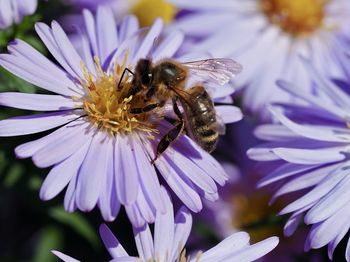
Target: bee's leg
<point x="123" y="74"/>
<point x="140" y="110"/>
<point x="172" y="135"/>
<point x="177" y="110"/>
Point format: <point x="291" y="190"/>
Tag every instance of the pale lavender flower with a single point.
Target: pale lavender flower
<point x="100" y="151"/>
<point x="169" y="239"/>
<point x="145" y="10"/>
<point x="309" y="154"/>
<point x="13" y="11"/>
<point x="267" y="36"/>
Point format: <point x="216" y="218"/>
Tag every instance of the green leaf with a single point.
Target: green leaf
<point x="13" y="175"/>
<point x="51" y="238"/>
<point x="78" y="223"/>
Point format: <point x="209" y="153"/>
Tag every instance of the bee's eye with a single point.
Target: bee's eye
<point x="146" y="79"/>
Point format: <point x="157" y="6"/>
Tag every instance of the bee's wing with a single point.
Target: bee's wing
<point x="217" y="70"/>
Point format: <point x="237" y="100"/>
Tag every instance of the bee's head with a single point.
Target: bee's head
<point x="144" y="69"/>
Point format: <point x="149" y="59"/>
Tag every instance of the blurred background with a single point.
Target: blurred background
<point x="30" y="228"/>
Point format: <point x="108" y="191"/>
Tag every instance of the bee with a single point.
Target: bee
<point x="165" y="81"/>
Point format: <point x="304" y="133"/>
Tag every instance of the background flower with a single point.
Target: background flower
<point x="13" y="11"/>
<point x="145" y="10"/>
<point x="309" y="154"/>
<point x="267" y="36"/>
<point x="170" y="236"/>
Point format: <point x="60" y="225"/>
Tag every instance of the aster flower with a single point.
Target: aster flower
<point x="308" y="153"/>
<point x="100" y="149"/>
<point x="242" y="207"/>
<point x="145" y="10"/>
<point x="13" y="11"/>
<point x="170" y="236"/>
<point x="267" y="36"/>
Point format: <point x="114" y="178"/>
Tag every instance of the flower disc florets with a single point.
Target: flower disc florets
<point x="297" y="17"/>
<point x="108" y="106"/>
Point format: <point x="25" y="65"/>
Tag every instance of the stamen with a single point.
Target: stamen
<point x="148" y="10"/>
<point x="108" y="108"/>
<point x="296" y="17"/>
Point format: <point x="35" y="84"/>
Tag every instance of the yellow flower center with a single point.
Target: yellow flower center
<point x="296" y="17"/>
<point x="148" y="10"/>
<point x="254" y="215"/>
<point x="107" y="106"/>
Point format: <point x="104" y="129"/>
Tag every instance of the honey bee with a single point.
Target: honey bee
<point x="165" y="81"/>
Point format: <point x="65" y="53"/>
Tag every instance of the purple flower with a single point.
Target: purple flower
<point x="242" y="207"/>
<point x="100" y="150"/>
<point x="267" y="36"/>
<point x="145" y="10"/>
<point x="170" y="236"/>
<point x="309" y="154"/>
<point x="13" y="11"/>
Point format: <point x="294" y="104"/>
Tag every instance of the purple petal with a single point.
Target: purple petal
<point x="128" y="26"/>
<point x="37" y="102"/>
<point x="323" y="233"/>
<point x="111" y="243"/>
<point x="67" y="49"/>
<point x="108" y="201"/>
<point x="30" y="148"/>
<point x="90" y="27"/>
<point x="347" y="251"/>
<point x="44" y="68"/>
<point x="5" y="14"/>
<point x="27" y="7"/>
<point x="93" y="168"/>
<point x="183" y="226"/>
<point x="145" y="207"/>
<point x="144" y="243"/>
<point x="328" y="87"/>
<point x="24" y="125"/>
<point x="148" y="175"/>
<point x="62" y="173"/>
<point x="334" y="243"/>
<point x="229" y="114"/>
<point x="46" y="35"/>
<point x="126" y="171"/>
<point x="318" y="192"/>
<point x="69" y="198"/>
<point x="126" y="259"/>
<point x="262" y="153"/>
<point x="309" y="157"/>
<point x="134" y="215"/>
<point x="201" y="158"/>
<point x="148" y="41"/>
<point x="302" y="181"/>
<point x="183" y="188"/>
<point x="337" y="198"/>
<point x="106" y="32"/>
<point x="164" y="231"/>
<point x="233" y="243"/>
<point x="321" y="133"/>
<point x="169" y="46"/>
<point x="292" y="224"/>
<point x="273" y="132"/>
<point x="284" y="171"/>
<point x="312" y="99"/>
<point x="255" y="251"/>
<point x="64" y="257"/>
<point x="30" y="72"/>
<point x="58" y="150"/>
